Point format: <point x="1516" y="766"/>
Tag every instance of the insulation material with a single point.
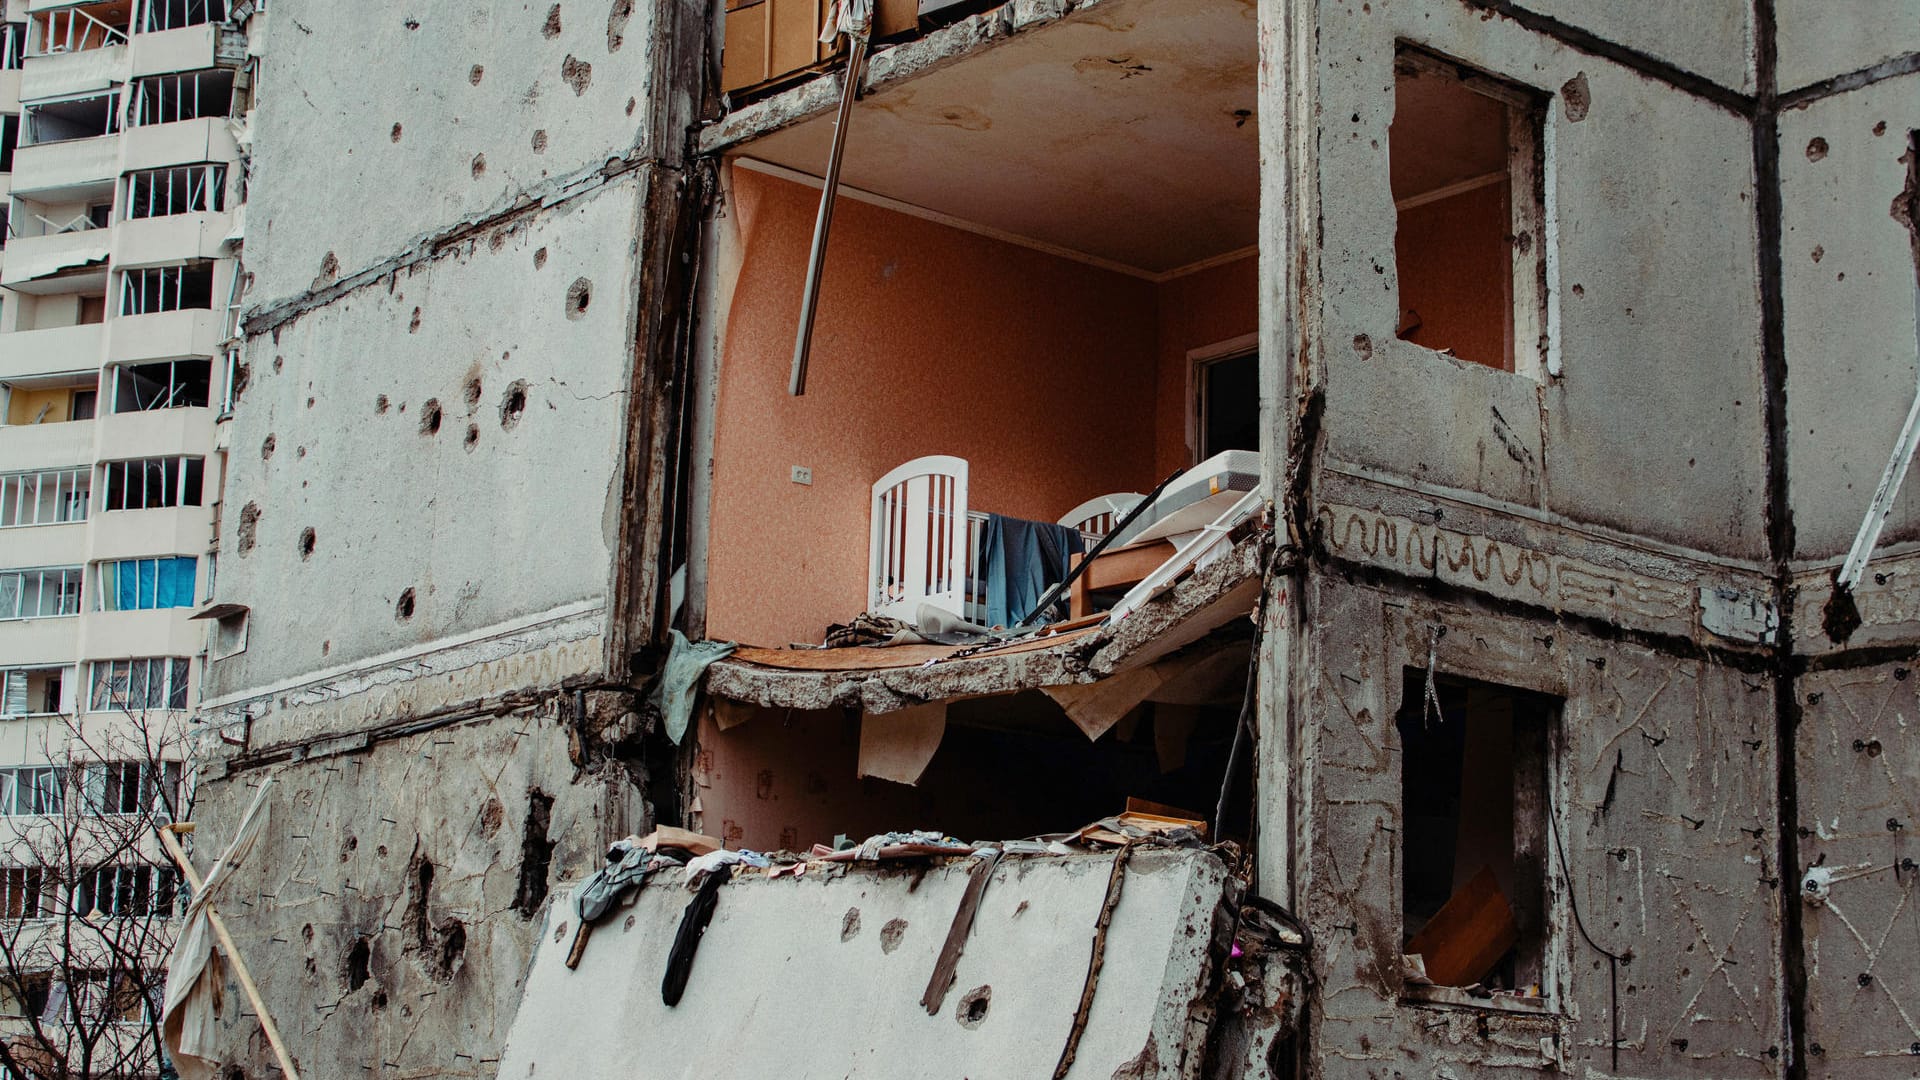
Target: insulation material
<point x="898" y="745"/>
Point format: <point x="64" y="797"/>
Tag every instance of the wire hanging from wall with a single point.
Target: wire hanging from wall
<point x="1614" y="960"/>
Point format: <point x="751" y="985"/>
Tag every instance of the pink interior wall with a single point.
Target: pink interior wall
<point x="1198" y="310"/>
<point x="1047" y="375"/>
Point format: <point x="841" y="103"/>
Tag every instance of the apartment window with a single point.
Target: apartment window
<point x="93" y="309"/>
<point x="130" y="787"/>
<point x="150" y="483"/>
<point x="51" y="497"/>
<point x="32" y="691"/>
<point x="21" y="890"/>
<point x="167" y="99"/>
<point x="184" y="189"/>
<point x="1464" y="156"/>
<point x="73" y="118"/>
<point x="166" y="288"/>
<point x="127" y="892"/>
<point x="173" y="14"/>
<point x="31" y="790"/>
<point x="168" y="384"/>
<point x="13" y="45"/>
<point x="82" y="27"/>
<point x="9" y="138"/>
<point x="41" y="593"/>
<point x="1473" y="832"/>
<point x="144" y="584"/>
<point x="147" y="682"/>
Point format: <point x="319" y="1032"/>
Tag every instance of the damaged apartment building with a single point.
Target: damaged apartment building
<point x="1452" y="417"/>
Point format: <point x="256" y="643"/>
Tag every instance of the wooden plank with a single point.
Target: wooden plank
<point x="1122" y="567"/>
<point x="1469" y="935"/>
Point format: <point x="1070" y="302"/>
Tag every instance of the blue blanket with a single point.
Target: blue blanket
<point x="1022" y="560"/>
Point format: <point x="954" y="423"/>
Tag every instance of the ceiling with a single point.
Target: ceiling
<point x="1124" y="133"/>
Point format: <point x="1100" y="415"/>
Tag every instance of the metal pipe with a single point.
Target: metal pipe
<point x="810" y="299"/>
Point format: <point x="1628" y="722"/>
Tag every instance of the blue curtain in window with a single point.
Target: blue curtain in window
<point x="176" y="582"/>
<point x="125" y="593"/>
<point x="145" y="595"/>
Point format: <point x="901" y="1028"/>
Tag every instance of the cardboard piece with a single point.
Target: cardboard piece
<point x="771" y="39"/>
<point x="1097" y="706"/>
<point x="666" y="836"/>
<point x="1142" y="816"/>
<point x="1469" y="935"/>
<point x="898" y="745"/>
<point x="729" y="714"/>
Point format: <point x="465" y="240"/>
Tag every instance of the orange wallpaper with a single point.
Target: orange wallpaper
<point x="1456" y="270"/>
<point x="1042" y="372"/>
<point x="1212" y="306"/>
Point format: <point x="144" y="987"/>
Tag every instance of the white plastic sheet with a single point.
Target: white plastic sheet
<point x="189" y="1018"/>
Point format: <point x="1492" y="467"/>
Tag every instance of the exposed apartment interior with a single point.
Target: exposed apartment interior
<point x="1039" y="299"/>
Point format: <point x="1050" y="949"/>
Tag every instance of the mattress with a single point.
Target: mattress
<point x="1196" y="498"/>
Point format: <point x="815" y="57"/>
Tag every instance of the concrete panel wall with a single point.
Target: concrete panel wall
<point x="1712" y="40"/>
<point x="1848" y="286"/>
<point x="402" y="122"/>
<point x="1821" y="40"/>
<point x="1859" y="771"/>
<point x="1650" y="195"/>
<point x="1661" y="788"/>
<point x="417" y="851"/>
<point x="496" y="515"/>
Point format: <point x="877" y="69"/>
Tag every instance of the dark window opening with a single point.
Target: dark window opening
<point x="9" y="138"/>
<point x="1463" y="156"/>
<point x="173" y="14"/>
<point x="169" y="384"/>
<point x="75" y="118"/>
<point x="167" y="99"/>
<point x="185" y="189"/>
<point x="1473" y="832"/>
<point x="166" y="288"/>
<point x="150" y="483"/>
<point x="1229" y="404"/>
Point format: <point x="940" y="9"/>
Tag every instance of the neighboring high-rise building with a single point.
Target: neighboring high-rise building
<point x="122" y="127"/>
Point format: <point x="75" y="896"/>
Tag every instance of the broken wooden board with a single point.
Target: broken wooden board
<point x="1468" y="935"/>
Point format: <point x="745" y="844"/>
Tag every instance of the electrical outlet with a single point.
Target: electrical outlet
<point x="802" y="474"/>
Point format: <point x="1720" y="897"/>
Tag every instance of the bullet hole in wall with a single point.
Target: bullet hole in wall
<point x="249" y="527"/>
<point x="536" y="854"/>
<point x="630" y="104"/>
<point x="473" y="391"/>
<point x="430" y="417"/>
<point x="540" y="140"/>
<point x="278" y="363"/>
<point x="972" y="1010"/>
<point x="474" y="76"/>
<point x="617" y="17"/>
<point x="513" y="404"/>
<point x="1816" y="148"/>
<point x="380" y="404"/>
<point x="329" y="269"/>
<point x="359" y="964"/>
<point x="539" y="258"/>
<point x="403" y="610"/>
<point x="413" y="324"/>
<point x="395" y="133"/>
<point x="306" y="543"/>
<point x="479" y="166"/>
<point x="579" y="295"/>
<point x="266" y="448"/>
<point x="473" y="437"/>
<point x="576" y="73"/>
<point x="551" y="28"/>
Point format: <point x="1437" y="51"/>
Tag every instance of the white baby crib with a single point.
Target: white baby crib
<point x="925" y="541"/>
